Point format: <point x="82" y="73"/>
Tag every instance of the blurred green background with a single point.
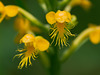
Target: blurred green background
<point x="86" y="61"/>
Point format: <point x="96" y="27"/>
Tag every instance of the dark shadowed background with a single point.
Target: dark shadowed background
<point x="86" y="61"/>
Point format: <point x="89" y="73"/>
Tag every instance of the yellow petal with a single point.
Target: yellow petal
<point x="1" y="6"/>
<point x="95" y="37"/>
<point x="50" y="17"/>
<point x="28" y="38"/>
<point x="41" y="43"/>
<point x="68" y="17"/>
<point x="61" y="16"/>
<point x="11" y="10"/>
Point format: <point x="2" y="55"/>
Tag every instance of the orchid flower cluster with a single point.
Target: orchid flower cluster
<point x="59" y="23"/>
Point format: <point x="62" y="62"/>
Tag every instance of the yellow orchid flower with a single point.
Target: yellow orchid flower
<point x="95" y="35"/>
<point x="9" y="10"/>
<point x="33" y="45"/>
<point x="59" y="22"/>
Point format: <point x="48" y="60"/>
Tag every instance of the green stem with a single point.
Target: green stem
<point x="30" y="17"/>
<point x="55" y="63"/>
<point x="76" y="43"/>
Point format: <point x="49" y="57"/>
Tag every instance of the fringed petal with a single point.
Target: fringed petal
<point x="60" y="33"/>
